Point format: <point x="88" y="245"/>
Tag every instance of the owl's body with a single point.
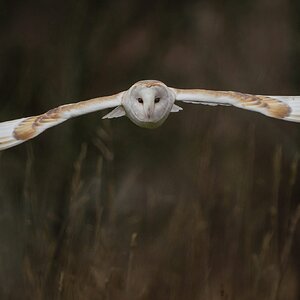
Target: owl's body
<point x="148" y="104"/>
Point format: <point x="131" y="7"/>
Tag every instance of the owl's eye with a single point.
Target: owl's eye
<point x="140" y="100"/>
<point x="157" y="99"/>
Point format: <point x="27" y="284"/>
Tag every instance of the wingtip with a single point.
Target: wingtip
<point x="293" y="104"/>
<point x="7" y="138"/>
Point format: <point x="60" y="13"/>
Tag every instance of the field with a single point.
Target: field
<point x="205" y="207"/>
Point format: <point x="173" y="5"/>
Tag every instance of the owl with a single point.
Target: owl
<point x="148" y="104"/>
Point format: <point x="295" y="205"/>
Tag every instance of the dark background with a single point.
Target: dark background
<point x="205" y="207"/>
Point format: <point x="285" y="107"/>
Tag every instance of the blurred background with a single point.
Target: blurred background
<point x="204" y="207"/>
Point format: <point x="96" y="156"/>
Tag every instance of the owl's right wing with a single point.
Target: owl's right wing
<point x="18" y="131"/>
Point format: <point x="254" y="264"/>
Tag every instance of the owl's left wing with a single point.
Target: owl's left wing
<point x="280" y="107"/>
<point x="18" y="131"/>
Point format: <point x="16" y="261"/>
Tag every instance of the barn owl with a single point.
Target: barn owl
<point x="147" y="103"/>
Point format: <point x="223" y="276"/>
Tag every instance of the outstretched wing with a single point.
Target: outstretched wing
<point x="18" y="131"/>
<point x="280" y="107"/>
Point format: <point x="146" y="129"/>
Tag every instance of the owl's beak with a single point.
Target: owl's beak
<point x="148" y="107"/>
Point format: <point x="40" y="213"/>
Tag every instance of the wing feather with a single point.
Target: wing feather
<point x="280" y="107"/>
<point x="18" y="131"/>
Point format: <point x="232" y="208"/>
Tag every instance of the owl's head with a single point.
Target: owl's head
<point x="148" y="103"/>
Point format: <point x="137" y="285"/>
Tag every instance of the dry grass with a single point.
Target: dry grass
<point x="215" y="244"/>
